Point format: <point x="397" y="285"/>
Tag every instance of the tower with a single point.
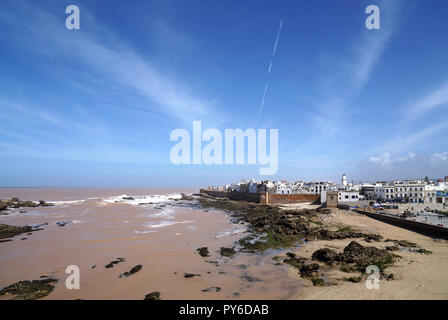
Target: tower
<point x="344" y="180"/>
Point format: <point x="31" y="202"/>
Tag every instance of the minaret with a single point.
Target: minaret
<point x="344" y="180"/>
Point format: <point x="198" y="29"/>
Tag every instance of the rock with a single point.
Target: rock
<point x="250" y="279"/>
<point x="3" y="206"/>
<point x="42" y="203"/>
<point x="191" y="275"/>
<point x="128" y="198"/>
<point x="354" y="279"/>
<point x="325" y="255"/>
<point x="318" y="282"/>
<point x="153" y="296"/>
<point x="309" y="271"/>
<point x="114" y="262"/>
<point x="30" y="290"/>
<point x="62" y="223"/>
<point x="135" y="269"/>
<point x="227" y="252"/>
<point x="7" y="231"/>
<point x="203" y="251"/>
<point x="216" y="289"/>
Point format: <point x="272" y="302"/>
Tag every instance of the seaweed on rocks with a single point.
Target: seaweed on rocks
<point x="227" y="252"/>
<point x="356" y="257"/>
<point x="273" y="228"/>
<point x="203" y="251"/>
<point x="8" y="231"/>
<point x="16" y="203"/>
<point x="30" y="290"/>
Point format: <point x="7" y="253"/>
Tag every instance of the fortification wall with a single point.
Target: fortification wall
<point x="423" y="228"/>
<point x="260" y="198"/>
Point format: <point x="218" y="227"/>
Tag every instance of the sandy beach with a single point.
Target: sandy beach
<point x="418" y="276"/>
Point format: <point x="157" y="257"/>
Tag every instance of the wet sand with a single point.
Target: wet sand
<point x="162" y="237"/>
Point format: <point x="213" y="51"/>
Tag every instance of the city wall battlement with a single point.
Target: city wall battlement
<point x="263" y="198"/>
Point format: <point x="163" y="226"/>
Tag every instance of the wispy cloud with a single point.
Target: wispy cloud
<point x="433" y="100"/>
<point x="100" y="53"/>
<point x="351" y="74"/>
<point x="405" y="141"/>
<point x="388" y="166"/>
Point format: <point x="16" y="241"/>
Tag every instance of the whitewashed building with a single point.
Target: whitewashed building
<point x="348" y="196"/>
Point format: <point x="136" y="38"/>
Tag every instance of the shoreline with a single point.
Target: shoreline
<point x="291" y="235"/>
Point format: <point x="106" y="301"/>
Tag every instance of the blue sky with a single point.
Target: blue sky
<point x="96" y="106"/>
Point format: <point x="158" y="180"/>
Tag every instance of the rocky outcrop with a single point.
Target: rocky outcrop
<point x="203" y="251"/>
<point x="30" y="290"/>
<point x="356" y="257"/>
<point x="15" y="203"/>
<point x="272" y="227"/>
<point x="7" y="231"/>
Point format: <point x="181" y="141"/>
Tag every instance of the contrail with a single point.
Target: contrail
<point x="270" y="65"/>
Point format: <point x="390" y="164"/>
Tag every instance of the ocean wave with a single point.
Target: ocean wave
<point x="162" y="224"/>
<point x="142" y="200"/>
<point x="66" y="202"/>
<point x="231" y="232"/>
<point x="144" y="232"/>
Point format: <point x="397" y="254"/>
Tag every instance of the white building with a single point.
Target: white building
<point x="348" y="196"/>
<point x="379" y="191"/>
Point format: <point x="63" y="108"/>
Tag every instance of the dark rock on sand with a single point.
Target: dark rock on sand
<point x="62" y="223"/>
<point x="250" y="278"/>
<point x="356" y="257"/>
<point x="114" y="262"/>
<point x="216" y="289"/>
<point x="30" y="290"/>
<point x="227" y="252"/>
<point x="203" y="252"/>
<point x="135" y="269"/>
<point x="309" y="271"/>
<point x="346" y="233"/>
<point x="191" y="275"/>
<point x="153" y="296"/>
